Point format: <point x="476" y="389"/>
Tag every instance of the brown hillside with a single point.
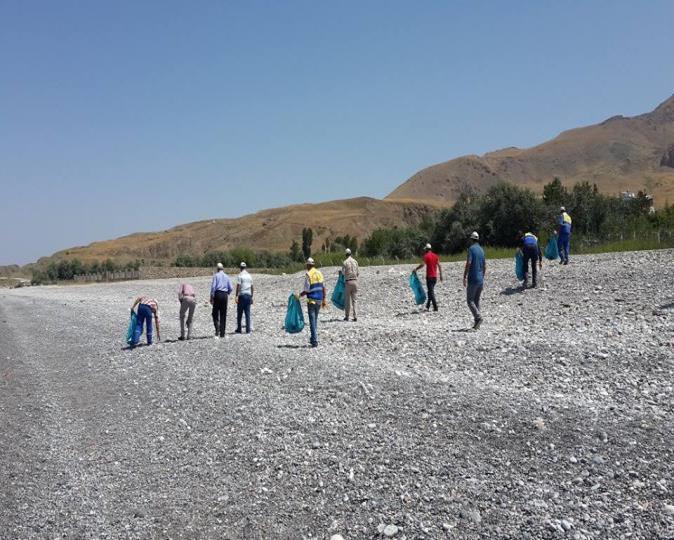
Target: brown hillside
<point x="272" y="230"/>
<point x="620" y="154"/>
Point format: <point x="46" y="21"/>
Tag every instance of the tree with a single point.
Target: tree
<point x="307" y="238"/>
<point x="555" y="194"/>
<point x="506" y="209"/>
<point x="295" y="252"/>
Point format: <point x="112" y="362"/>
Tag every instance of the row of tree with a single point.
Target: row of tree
<point x="67" y="269"/>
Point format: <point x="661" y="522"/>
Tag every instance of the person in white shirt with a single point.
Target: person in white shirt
<point x="244" y="298"/>
<point x="350" y="271"/>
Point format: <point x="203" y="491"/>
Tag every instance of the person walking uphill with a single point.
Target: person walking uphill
<point x="221" y="288"/>
<point x="188" y="302"/>
<point x="314" y="290"/>
<point x="244" y="298"/>
<point x="532" y="253"/>
<point x="147" y="308"/>
<point x="564" y="236"/>
<point x="350" y="272"/>
<point x="433" y="269"/>
<point x="473" y="278"/>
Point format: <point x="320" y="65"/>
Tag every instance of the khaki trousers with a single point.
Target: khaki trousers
<point x="351" y="293"/>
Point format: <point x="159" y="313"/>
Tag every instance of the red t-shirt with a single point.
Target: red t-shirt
<point x="431" y="260"/>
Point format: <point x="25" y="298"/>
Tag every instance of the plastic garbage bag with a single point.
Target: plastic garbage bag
<point x="337" y="298"/>
<point x="551" y="251"/>
<point x="519" y="265"/>
<point x="294" y="322"/>
<point x="418" y="289"/>
<point x="131" y="330"/>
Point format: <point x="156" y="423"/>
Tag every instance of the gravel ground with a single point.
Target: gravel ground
<point x="554" y="420"/>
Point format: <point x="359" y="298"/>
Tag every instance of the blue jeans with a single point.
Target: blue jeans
<point x="243" y="307"/>
<point x="144" y="317"/>
<point x="473" y="293"/>
<point x="313" y="310"/>
<point x="564" y="246"/>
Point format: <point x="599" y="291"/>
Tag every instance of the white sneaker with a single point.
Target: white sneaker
<point x="217" y="337"/>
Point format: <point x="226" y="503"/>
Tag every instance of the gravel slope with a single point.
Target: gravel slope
<point x="553" y="421"/>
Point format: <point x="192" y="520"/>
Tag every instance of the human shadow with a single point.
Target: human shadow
<point x="508" y="291"/>
<point x="667" y="306"/>
<point x="288" y="346"/>
<point x="470" y="329"/>
<point x="130" y="348"/>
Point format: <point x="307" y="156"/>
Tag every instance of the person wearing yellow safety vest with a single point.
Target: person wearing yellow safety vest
<point x="314" y="290"/>
<point x="564" y="235"/>
<point x="532" y="253"/>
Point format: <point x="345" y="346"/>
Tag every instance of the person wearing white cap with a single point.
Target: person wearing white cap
<point x="473" y="277"/>
<point x="564" y="236"/>
<point x="350" y="272"/>
<point x="314" y="290"/>
<point x="244" y="298"/>
<point x="221" y="288"/>
<point x="433" y="269"/>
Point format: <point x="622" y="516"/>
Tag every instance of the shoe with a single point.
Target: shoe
<point x="345" y="319"/>
<point x="566" y="262"/>
<point x="314" y="345"/>
<point x="237" y="331"/>
<point x="477" y="324"/>
<point x="435" y="309"/>
<point x="217" y="336"/>
<point x="533" y="285"/>
<point x="354" y="319"/>
<point x="181" y="338"/>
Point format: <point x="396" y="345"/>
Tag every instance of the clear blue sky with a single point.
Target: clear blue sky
<point x="127" y="116"/>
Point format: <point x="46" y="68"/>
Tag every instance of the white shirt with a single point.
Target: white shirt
<point x="245" y="283"/>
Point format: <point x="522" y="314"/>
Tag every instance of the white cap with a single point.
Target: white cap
<point x="220" y="267"/>
<point x="348" y="251"/>
<point x="428" y="246"/>
<point x="474" y="235"/>
<point x="310" y="261"/>
<point x="562" y="209"/>
<point x="242" y="265"/>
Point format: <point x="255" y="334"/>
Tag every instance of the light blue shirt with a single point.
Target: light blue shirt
<point x="221" y="282"/>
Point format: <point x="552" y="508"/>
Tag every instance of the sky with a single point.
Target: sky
<point x="128" y="116"/>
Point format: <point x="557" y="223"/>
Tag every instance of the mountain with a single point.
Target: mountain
<point x="272" y="230"/>
<point x="619" y="154"/>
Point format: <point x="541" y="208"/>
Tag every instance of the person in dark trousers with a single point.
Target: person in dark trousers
<point x="221" y="288"/>
<point x="244" y="298"/>
<point x="314" y="290"/>
<point x="564" y="235"/>
<point x="433" y="270"/>
<point x="473" y="278"/>
<point x="532" y="254"/>
<point x="147" y="308"/>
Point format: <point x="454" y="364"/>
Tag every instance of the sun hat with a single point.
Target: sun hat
<point x="428" y="246"/>
<point x="310" y="261"/>
<point x="242" y="265"/>
<point x="348" y="251"/>
<point x="474" y="235"/>
<point x="220" y="267"/>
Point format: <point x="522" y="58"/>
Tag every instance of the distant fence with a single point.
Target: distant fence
<point x="119" y="275"/>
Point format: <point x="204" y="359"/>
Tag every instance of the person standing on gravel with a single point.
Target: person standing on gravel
<point x="433" y="269"/>
<point x="221" y="288"/>
<point x="188" y="302"/>
<point x="563" y="235"/>
<point x="350" y="272"/>
<point x="147" y="308"/>
<point x="473" y="278"/>
<point x="532" y="253"/>
<point x="314" y="290"/>
<point x="244" y="298"/>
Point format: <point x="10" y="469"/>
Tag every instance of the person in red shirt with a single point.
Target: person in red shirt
<point x="433" y="270"/>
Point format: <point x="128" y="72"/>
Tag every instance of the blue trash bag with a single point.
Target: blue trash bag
<point x="294" y="322"/>
<point x="519" y="265"/>
<point x="131" y="330"/>
<point x="338" y="300"/>
<point x="551" y="250"/>
<point x="418" y="289"/>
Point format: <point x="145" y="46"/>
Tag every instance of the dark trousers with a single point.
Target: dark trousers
<point x="313" y="310"/>
<point x="144" y="317"/>
<point x="563" y="245"/>
<point x="530" y="254"/>
<point x="430" y="285"/>
<point x="220" y="312"/>
<point x="243" y="307"/>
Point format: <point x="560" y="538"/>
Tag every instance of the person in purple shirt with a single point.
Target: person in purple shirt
<point x="221" y="287"/>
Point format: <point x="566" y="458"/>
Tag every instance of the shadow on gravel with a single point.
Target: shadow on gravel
<point x="470" y="329"/>
<point x="667" y="306"/>
<point x="129" y="348"/>
<point x="512" y="290"/>
<point x="293" y="346"/>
